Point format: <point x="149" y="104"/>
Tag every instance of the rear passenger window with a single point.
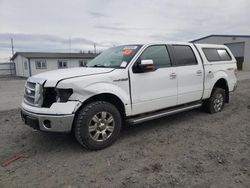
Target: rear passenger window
<point x="214" y="54"/>
<point x="184" y="55"/>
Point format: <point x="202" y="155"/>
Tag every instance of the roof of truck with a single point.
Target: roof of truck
<point x="211" y="45"/>
<point x="187" y="43"/>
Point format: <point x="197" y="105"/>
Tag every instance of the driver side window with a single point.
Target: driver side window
<point x="158" y="54"/>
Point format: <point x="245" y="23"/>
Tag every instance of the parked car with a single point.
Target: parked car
<point x="129" y="83"/>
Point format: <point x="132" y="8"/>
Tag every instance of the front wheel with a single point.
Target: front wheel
<point x="97" y="125"/>
<point x="216" y="101"/>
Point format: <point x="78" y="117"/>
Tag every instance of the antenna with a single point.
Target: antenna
<point x="70" y="49"/>
<point x="12" y="46"/>
<point x="69" y="44"/>
<point x="95" y="48"/>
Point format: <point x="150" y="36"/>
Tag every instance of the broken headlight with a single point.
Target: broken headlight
<point x="63" y="94"/>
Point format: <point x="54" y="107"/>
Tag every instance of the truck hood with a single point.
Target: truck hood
<point x="53" y="77"/>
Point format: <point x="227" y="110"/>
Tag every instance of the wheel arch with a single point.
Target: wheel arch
<point x="107" y="97"/>
<point x="222" y="83"/>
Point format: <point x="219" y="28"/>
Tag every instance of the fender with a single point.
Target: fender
<point x="211" y="80"/>
<point x="82" y="94"/>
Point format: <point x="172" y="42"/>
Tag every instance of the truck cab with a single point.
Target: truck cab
<point x="129" y="83"/>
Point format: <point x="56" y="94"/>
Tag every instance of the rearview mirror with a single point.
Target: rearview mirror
<point x="146" y="65"/>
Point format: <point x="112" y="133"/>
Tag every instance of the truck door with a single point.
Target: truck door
<point x="155" y="89"/>
<point x="190" y="73"/>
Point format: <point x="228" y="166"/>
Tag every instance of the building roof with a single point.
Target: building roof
<point x="52" y="55"/>
<point x="242" y="36"/>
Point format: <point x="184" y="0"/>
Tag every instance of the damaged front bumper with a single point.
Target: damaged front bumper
<point x="58" y="118"/>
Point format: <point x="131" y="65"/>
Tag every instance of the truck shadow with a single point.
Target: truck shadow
<point x="172" y="121"/>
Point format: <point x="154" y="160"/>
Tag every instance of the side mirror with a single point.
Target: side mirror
<point x="146" y="65"/>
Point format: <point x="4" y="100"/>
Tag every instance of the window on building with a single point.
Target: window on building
<point x="62" y="64"/>
<point x="41" y="64"/>
<point x="82" y="63"/>
<point x="25" y="65"/>
<point x="184" y="55"/>
<point x="213" y="54"/>
<point x="158" y="54"/>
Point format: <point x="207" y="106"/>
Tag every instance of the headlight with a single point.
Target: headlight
<point x="38" y="94"/>
<point x="63" y="94"/>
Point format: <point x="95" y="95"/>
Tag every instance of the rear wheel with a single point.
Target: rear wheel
<point x="216" y="101"/>
<point x="97" y="125"/>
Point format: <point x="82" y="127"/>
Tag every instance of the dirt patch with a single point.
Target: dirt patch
<point x="191" y="149"/>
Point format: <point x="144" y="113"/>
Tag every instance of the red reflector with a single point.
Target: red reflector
<point x="150" y="67"/>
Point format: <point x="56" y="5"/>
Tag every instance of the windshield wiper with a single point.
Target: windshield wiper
<point x="98" y="65"/>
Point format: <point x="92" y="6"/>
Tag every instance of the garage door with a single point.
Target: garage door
<point x="238" y="51"/>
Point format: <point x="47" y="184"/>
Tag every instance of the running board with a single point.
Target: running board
<point x="163" y="113"/>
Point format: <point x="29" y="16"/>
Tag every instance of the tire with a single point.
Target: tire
<point x="216" y="101"/>
<point x="97" y="125"/>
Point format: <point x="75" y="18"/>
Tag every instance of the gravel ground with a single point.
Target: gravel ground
<point x="191" y="149"/>
<point x="11" y="92"/>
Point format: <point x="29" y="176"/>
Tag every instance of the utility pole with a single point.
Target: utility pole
<point x="12" y="46"/>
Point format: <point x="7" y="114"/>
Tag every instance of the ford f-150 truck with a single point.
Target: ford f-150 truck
<point x="129" y="84"/>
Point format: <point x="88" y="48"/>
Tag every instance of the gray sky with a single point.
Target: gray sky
<point x="47" y="25"/>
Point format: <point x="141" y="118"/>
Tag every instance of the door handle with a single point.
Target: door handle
<point x="199" y="72"/>
<point x="172" y="76"/>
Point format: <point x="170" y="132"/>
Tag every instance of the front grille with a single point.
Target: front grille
<point x="31" y="85"/>
<point x="36" y="95"/>
<point x="30" y="95"/>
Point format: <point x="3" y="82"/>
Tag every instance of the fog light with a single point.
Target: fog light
<point x="47" y="123"/>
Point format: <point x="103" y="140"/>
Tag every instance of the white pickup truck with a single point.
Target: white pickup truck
<point x="129" y="83"/>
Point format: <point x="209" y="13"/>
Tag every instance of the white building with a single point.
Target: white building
<point x="31" y="63"/>
<point x="238" y="44"/>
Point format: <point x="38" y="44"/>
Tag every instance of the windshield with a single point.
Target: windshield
<point x="116" y="57"/>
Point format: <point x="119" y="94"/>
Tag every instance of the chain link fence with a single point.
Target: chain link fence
<point x="7" y="69"/>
